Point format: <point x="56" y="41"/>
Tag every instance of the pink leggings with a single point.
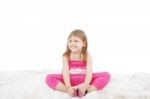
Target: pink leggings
<point x="99" y="80"/>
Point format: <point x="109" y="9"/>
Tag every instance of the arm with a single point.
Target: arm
<point x="65" y="72"/>
<point x="84" y="86"/>
<point x="88" y="77"/>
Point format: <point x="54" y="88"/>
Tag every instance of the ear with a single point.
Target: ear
<point x="83" y="44"/>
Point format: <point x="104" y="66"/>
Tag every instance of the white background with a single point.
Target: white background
<point x="33" y="33"/>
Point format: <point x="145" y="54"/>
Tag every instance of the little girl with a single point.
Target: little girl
<point x="77" y="78"/>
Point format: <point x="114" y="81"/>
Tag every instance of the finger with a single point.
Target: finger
<point x="75" y="88"/>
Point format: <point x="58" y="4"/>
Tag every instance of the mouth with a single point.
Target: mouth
<point x="73" y="47"/>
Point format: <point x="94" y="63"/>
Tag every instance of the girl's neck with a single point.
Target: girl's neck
<point x="75" y="56"/>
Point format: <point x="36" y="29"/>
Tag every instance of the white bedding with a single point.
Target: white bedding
<point x="31" y="85"/>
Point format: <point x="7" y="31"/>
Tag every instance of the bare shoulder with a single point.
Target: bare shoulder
<point x="89" y="56"/>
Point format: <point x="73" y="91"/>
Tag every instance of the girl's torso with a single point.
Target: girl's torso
<point x="77" y="66"/>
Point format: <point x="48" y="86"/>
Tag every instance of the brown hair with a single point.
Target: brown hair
<point x="81" y="34"/>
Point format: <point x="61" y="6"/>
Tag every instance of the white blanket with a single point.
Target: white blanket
<point x="31" y="85"/>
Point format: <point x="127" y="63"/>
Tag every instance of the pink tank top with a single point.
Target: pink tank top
<point x="77" y="66"/>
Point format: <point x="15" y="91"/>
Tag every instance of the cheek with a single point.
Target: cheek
<point x="80" y="45"/>
<point x="69" y="44"/>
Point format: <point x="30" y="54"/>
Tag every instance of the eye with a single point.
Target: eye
<point x="76" y="40"/>
<point x="70" y="40"/>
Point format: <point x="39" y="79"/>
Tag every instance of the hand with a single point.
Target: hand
<point x="71" y="91"/>
<point x="75" y="87"/>
<point x="82" y="88"/>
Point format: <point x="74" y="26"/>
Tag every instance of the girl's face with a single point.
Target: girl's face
<point x="75" y="44"/>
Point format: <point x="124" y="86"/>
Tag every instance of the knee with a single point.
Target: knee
<point x="107" y="75"/>
<point x="50" y="81"/>
<point x="48" y="78"/>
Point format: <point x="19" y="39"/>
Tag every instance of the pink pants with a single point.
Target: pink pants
<point x="99" y="80"/>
